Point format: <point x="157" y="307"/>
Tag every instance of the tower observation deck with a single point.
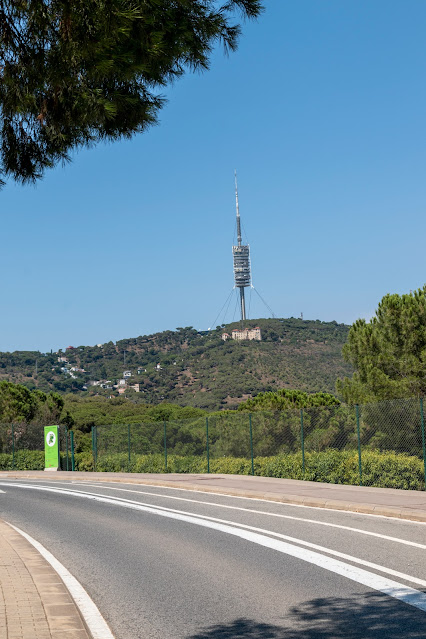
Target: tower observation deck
<point x="241" y="255"/>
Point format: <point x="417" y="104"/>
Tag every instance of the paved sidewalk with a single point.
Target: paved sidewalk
<point x="391" y="502"/>
<point x="34" y="602"/>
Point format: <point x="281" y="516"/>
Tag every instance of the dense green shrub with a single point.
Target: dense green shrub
<point x="332" y="466"/>
<point x="392" y="470"/>
<point x="386" y="470"/>
<point x="5" y="461"/>
<point x="382" y="469"/>
<point x="34" y="460"/>
<point x="83" y="462"/>
<point x="24" y="460"/>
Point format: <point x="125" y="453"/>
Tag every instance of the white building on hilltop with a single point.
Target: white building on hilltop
<point x="244" y="333"/>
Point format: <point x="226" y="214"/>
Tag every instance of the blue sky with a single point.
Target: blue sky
<point x="321" y="110"/>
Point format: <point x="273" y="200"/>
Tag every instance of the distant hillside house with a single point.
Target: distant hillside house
<point x="127" y="374"/>
<point x="225" y="336"/>
<point x="247" y="333"/>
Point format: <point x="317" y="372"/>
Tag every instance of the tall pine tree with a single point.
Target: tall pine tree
<point x="389" y="352"/>
<point x="73" y="72"/>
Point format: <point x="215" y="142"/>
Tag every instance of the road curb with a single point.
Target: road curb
<point x="38" y="603"/>
<point x="405" y="513"/>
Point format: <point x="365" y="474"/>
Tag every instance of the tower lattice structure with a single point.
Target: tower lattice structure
<point x="241" y="255"/>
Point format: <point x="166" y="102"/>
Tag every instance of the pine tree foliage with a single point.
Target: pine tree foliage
<point x="286" y="398"/>
<point x="19" y="404"/>
<point x="75" y="72"/>
<point x="389" y="352"/>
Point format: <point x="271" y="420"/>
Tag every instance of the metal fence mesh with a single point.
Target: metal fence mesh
<point x="19" y="439"/>
<point x="377" y="444"/>
<point x="392" y="426"/>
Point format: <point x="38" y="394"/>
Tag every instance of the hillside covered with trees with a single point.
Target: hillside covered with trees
<point x="192" y="368"/>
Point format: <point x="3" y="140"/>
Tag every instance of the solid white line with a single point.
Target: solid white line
<point x="301" y="542"/>
<point x="387" y="586"/>
<point x="263" y="512"/>
<point x="267" y="501"/>
<point x="307" y="544"/>
<point x="88" y="609"/>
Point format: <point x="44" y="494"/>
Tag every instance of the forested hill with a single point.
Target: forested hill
<point x="193" y="368"/>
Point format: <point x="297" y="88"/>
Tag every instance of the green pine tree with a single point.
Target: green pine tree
<point x="75" y="72"/>
<point x="389" y="352"/>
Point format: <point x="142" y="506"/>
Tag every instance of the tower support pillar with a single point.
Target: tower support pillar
<point x="243" y="303"/>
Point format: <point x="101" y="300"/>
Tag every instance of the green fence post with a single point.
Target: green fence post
<point x="96" y="446"/>
<point x="207" y="443"/>
<point x="93" y="447"/>
<point x="13" y="446"/>
<point x="72" y="450"/>
<point x="359" y="444"/>
<point x="128" y="447"/>
<point x="302" y="440"/>
<point x="165" y="446"/>
<point x="251" y="445"/>
<point x="423" y="437"/>
<point x="66" y="446"/>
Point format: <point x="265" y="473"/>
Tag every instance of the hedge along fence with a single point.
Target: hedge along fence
<point x="389" y="427"/>
<point x="317" y="443"/>
<point x="382" y="469"/>
<point x="33" y="460"/>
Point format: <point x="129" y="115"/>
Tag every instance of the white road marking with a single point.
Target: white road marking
<point x="267" y="501"/>
<point x="262" y="512"/>
<point x="3" y="491"/>
<point x="387" y="586"/>
<point x="88" y="609"/>
<point x="301" y="542"/>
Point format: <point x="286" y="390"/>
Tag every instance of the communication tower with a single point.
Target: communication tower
<point x="241" y="255"/>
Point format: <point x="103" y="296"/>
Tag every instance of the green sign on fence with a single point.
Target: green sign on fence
<point x="51" y="447"/>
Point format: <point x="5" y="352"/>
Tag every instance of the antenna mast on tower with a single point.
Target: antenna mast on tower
<point x="241" y="254"/>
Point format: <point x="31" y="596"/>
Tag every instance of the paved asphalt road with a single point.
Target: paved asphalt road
<point x="264" y="571"/>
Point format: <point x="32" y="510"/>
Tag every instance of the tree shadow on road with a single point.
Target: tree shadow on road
<point x="371" y="616"/>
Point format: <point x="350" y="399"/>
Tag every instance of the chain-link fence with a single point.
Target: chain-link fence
<point x="377" y="444"/>
<point x="22" y="447"/>
<point x="380" y="444"/>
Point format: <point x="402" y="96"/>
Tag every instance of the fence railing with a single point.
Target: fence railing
<point x="19" y="440"/>
<point x="371" y="444"/>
